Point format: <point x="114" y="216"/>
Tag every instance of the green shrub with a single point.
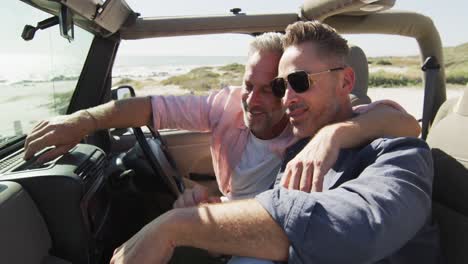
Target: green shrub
<point x="233" y="67"/>
<point x="386" y="79"/>
<point x="457" y="77"/>
<point x="176" y="80"/>
<point x="383" y="62"/>
<point x="201" y="69"/>
<point x="207" y="78"/>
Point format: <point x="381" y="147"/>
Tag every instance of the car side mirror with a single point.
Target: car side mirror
<point x="123" y="92"/>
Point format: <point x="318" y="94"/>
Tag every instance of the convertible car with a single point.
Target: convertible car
<point x="80" y="206"/>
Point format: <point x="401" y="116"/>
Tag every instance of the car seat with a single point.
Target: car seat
<point x="447" y="139"/>
<point x="358" y="61"/>
<point x="24" y="236"/>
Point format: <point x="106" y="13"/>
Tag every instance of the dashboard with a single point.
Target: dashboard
<point x="71" y="194"/>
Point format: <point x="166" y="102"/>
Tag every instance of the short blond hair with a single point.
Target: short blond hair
<point x="327" y="40"/>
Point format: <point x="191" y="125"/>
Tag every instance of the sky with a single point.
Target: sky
<point x="451" y="21"/>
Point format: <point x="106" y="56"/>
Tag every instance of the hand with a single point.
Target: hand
<point x="152" y="244"/>
<point x="63" y="132"/>
<point x="307" y="170"/>
<point x="195" y="196"/>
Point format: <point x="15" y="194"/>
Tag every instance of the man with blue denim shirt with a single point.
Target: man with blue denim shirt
<point x="356" y="218"/>
<point x="376" y="203"/>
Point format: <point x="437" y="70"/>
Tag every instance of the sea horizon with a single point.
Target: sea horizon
<point x="125" y="66"/>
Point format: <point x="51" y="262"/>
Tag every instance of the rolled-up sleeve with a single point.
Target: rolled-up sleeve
<point x="181" y="112"/>
<point x="190" y="112"/>
<point x="365" y="219"/>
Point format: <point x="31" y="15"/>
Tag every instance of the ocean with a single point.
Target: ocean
<point x="40" y="68"/>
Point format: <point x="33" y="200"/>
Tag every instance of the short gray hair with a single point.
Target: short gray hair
<point x="267" y="42"/>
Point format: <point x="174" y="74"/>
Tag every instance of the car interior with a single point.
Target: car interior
<point x="82" y="205"/>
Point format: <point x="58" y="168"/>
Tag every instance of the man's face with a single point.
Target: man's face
<point x="262" y="110"/>
<point x="320" y="104"/>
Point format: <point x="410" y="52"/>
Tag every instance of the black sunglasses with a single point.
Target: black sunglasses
<point x="300" y="81"/>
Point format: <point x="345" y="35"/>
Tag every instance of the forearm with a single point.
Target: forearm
<point x="132" y="112"/>
<point x="381" y="121"/>
<point x="242" y="228"/>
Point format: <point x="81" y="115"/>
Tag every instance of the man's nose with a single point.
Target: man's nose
<point x="253" y="97"/>
<point x="290" y="96"/>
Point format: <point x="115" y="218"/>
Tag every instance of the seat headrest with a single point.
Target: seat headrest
<point x="357" y="60"/>
<point x="449" y="132"/>
<point x="456" y="105"/>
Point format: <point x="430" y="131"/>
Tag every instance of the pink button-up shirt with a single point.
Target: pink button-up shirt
<point x="221" y="114"/>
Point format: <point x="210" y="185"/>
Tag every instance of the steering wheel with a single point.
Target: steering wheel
<point x="160" y="160"/>
<point x="155" y="150"/>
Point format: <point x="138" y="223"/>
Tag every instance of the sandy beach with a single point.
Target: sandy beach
<point x="411" y="98"/>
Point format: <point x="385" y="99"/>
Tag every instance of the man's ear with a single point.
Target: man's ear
<point x="348" y="80"/>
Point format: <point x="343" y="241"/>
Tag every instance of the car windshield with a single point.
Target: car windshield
<point x="37" y="77"/>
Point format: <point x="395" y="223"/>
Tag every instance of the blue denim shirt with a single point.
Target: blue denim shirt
<point x="375" y="207"/>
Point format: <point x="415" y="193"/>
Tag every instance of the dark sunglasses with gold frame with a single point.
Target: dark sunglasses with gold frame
<point x="300" y="81"/>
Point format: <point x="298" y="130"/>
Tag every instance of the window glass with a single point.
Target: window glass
<point x="37" y="77"/>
